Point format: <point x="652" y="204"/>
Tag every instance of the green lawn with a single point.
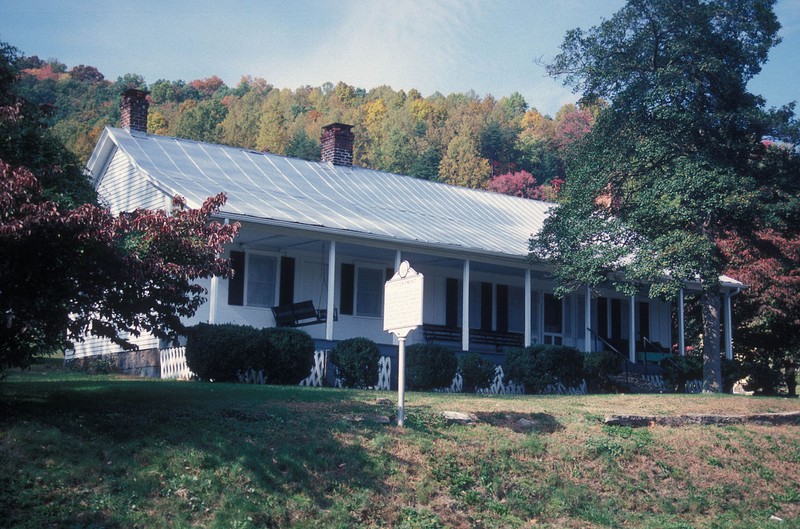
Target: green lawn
<point x="101" y="451"/>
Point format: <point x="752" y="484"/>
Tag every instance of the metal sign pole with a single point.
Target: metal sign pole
<point x="401" y="381"/>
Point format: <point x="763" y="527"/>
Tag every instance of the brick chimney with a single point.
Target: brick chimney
<point x="134" y="107"/>
<point x="337" y="144"/>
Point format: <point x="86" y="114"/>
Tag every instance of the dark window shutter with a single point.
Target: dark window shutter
<point x="451" y="303"/>
<point x="486" y="306"/>
<point x="644" y="319"/>
<point x="286" y="296"/>
<point x="348" y="288"/>
<point x="236" y="281"/>
<point x="602" y="317"/>
<point x="616" y="319"/>
<point x="502" y="308"/>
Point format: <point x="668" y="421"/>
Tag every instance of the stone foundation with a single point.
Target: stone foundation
<point x="144" y="363"/>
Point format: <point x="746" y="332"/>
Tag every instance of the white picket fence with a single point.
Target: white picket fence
<point x="173" y="364"/>
<point x="384" y="373"/>
<point x="501" y="387"/>
<point x="317" y="377"/>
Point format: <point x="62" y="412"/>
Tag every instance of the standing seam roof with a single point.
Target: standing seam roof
<point x="352" y="199"/>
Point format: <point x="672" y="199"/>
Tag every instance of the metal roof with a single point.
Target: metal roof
<point x="315" y="195"/>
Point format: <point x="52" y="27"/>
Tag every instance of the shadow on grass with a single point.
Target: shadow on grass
<point x="101" y="448"/>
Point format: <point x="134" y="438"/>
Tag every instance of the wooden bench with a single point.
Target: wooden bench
<point x="299" y="314"/>
<point x="443" y="333"/>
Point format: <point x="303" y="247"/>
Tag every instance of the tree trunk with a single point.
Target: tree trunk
<point x="712" y="365"/>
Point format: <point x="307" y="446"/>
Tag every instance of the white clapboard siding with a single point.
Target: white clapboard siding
<point x="93" y="346"/>
<point x="124" y="189"/>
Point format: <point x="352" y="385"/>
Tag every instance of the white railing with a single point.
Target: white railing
<point x="173" y="364"/>
<point x="317" y="376"/>
<point x="385" y="373"/>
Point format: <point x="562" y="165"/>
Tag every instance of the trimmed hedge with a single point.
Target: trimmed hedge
<point x="357" y="361"/>
<point x="292" y="355"/>
<point x="219" y="352"/>
<point x="429" y="366"/>
<point x="539" y="366"/>
<point x="476" y="372"/>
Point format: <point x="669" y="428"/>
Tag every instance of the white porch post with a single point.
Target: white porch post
<point x="398" y="258"/>
<point x="632" y="332"/>
<point x="213" y="293"/>
<point x="465" y="307"/>
<point x="527" y="307"/>
<point x="587" y="333"/>
<point x="728" y="328"/>
<point x="681" y="325"/>
<point x="212" y="300"/>
<point x="331" y="291"/>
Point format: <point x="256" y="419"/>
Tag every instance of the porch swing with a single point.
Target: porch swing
<point x="303" y="313"/>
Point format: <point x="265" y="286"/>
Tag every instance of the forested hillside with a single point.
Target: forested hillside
<point x="501" y="144"/>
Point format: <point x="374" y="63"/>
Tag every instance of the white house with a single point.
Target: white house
<point x="331" y="233"/>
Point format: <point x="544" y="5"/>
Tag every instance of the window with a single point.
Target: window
<point x="369" y="292"/>
<point x="261" y="272"/>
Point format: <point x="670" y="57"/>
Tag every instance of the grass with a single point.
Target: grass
<point x="100" y="451"/>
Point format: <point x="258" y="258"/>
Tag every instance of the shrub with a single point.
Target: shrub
<point x="678" y="370"/>
<point x="357" y="361"/>
<point x="539" y="366"/>
<point x="291" y="356"/>
<point x="598" y="368"/>
<point x="429" y="366"/>
<point x="219" y="352"/>
<point x="476" y="372"/>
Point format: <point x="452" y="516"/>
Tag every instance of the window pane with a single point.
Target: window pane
<point x="261" y="271"/>
<point x="369" y="292"/>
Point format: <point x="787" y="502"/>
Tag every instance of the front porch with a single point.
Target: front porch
<point x="473" y="302"/>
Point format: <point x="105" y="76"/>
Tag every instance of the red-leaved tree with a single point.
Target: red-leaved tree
<point x="523" y="184"/>
<point x="67" y="272"/>
<point x="768" y="311"/>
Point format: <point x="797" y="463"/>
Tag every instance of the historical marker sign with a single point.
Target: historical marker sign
<point x="402" y="312"/>
<point x="402" y="308"/>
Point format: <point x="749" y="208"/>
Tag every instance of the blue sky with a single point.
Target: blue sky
<point x="489" y="46"/>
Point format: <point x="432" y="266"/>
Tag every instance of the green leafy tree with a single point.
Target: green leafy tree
<point x="462" y="165"/>
<point x="202" y="121"/>
<point x="668" y="165"/>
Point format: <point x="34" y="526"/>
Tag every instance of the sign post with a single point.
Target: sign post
<point x="402" y="313"/>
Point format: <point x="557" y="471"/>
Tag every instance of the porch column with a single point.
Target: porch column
<point x="527" y="307"/>
<point x="632" y="332"/>
<point x="213" y="293"/>
<point x="728" y="328"/>
<point x="398" y="258"/>
<point x="465" y="307"/>
<point x="331" y="291"/>
<point x="681" y="325"/>
<point x="212" y="300"/>
<point x="587" y="333"/>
